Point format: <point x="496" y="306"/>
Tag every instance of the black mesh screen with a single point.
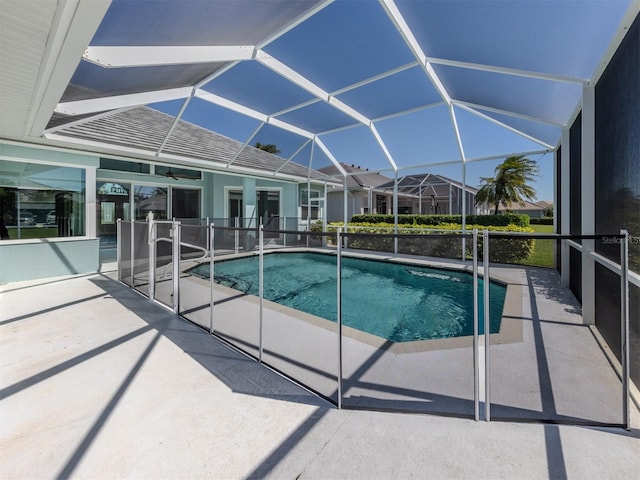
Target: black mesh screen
<point x="617" y="162"/>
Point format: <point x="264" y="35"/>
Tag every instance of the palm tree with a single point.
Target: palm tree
<point x="510" y="184"/>
<point x="269" y="147"/>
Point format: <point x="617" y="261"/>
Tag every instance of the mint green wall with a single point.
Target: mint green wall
<point x="47" y="258"/>
<point x="289" y="198"/>
<point x="28" y="153"/>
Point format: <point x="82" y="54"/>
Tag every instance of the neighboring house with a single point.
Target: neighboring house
<point x="534" y="210"/>
<point x="434" y="194"/>
<point x="363" y="195"/>
<point x="370" y="192"/>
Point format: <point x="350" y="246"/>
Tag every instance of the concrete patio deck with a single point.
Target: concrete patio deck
<point x="99" y="382"/>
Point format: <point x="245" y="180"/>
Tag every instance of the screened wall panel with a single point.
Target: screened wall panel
<point x="558" y="207"/>
<point x="618" y="149"/>
<point x="575" y="173"/>
<point x="608" y="317"/>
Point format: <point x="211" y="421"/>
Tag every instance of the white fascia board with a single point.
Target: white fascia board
<point x="81" y="107"/>
<point x="74" y="25"/>
<point x="507" y="127"/>
<point x="331" y="157"/>
<point x="93" y="147"/>
<point x="384" y="148"/>
<point x="290" y="74"/>
<point x="149" y="56"/>
<point x="507" y="71"/>
<point x="236" y="107"/>
<point x="406" y="33"/>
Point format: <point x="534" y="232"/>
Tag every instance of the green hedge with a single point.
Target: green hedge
<point x="512" y="250"/>
<point x="502" y="220"/>
<point x="541" y="221"/>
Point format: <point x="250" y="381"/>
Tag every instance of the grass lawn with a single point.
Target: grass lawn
<point x="32" y="232"/>
<point x="542" y="255"/>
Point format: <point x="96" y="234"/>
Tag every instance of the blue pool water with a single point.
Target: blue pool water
<point x="398" y="302"/>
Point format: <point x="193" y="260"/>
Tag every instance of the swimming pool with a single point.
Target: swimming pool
<point x="399" y="302"/>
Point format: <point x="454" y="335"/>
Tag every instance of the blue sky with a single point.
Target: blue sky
<point x="350" y="41"/>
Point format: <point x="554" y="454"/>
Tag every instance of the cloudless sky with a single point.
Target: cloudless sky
<point x="350" y="41"/>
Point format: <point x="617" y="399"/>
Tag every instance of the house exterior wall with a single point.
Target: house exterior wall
<point x="26" y="259"/>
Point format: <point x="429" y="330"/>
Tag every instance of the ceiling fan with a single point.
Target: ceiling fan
<point x="169" y="173"/>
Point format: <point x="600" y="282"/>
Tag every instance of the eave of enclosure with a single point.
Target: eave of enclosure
<point x="151" y="56"/>
<point x="167" y="158"/>
<point x="74" y="24"/>
<point x="82" y="107"/>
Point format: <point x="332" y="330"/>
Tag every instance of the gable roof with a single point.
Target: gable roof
<point x="428" y="183"/>
<point x="143" y="130"/>
<point x="359" y="177"/>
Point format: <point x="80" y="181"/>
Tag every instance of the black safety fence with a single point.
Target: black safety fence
<point x="476" y="324"/>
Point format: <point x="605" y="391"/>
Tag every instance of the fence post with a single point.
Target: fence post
<point x="624" y="324"/>
<point x="236" y="234"/>
<point x="260" y="284"/>
<point x="476" y="318"/>
<point x="212" y="277"/>
<point x="487" y="339"/>
<point x="176" y="267"/>
<point x="133" y="250"/>
<point x="118" y="247"/>
<point x="151" y="243"/>
<point x="339" y="311"/>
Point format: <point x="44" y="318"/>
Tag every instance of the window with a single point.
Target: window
<point x="315" y="204"/>
<point x="41" y="201"/>
<point x="150" y="199"/>
<point x="113" y="202"/>
<point x="124" y="166"/>
<point x="185" y="202"/>
<point x="177" y="173"/>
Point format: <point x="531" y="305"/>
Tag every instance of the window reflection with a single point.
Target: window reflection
<point x="150" y="199"/>
<point x="41" y="201"/>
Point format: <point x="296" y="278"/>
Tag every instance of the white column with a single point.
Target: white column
<point x="588" y="203"/>
<point x="565" y="202"/>
<point x="90" y="202"/>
